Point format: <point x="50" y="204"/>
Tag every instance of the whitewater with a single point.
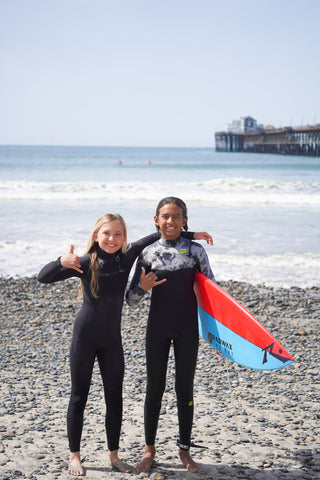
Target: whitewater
<point x="263" y="211"/>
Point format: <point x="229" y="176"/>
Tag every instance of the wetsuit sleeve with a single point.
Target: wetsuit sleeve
<point x="139" y="245"/>
<point x="203" y="263"/>
<point x="188" y="235"/>
<point x="135" y="293"/>
<point x="54" y="271"/>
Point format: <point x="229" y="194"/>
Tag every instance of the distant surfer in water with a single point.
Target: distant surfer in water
<point x="103" y="274"/>
<point x="168" y="266"/>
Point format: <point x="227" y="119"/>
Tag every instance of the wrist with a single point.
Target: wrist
<point x="140" y="290"/>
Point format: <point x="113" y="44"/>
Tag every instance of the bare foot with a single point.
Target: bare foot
<point x="118" y="464"/>
<point x="75" y="467"/>
<point x="121" y="466"/>
<point x="147" y="459"/>
<point x="187" y="461"/>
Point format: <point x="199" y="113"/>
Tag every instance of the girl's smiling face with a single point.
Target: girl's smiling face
<point x="110" y="236"/>
<point x="170" y="220"/>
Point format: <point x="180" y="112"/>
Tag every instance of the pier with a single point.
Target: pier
<point x="283" y="141"/>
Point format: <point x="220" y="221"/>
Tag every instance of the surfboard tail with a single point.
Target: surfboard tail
<point x="237" y="348"/>
<point x="232" y="330"/>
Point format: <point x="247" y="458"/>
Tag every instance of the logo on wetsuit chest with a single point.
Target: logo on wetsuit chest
<point x="172" y="258"/>
<point x="115" y="269"/>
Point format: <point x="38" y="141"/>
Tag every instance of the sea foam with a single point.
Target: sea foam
<point x="286" y="270"/>
<point x="230" y="191"/>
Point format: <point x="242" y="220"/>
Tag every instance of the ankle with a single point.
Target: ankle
<point x="113" y="455"/>
<point x="75" y="456"/>
<point x="150" y="451"/>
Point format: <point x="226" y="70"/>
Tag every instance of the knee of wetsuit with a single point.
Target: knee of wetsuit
<point x="78" y="399"/>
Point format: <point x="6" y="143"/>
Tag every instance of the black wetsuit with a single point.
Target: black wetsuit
<point x="97" y="334"/>
<point x="172" y="318"/>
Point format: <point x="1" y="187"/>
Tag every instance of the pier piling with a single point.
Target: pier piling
<point x="283" y="141"/>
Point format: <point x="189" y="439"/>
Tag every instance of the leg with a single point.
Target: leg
<point x="81" y="365"/>
<point x="157" y="352"/>
<point x="111" y="363"/>
<point x="186" y="351"/>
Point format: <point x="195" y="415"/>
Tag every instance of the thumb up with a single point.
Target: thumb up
<point x="70" y="260"/>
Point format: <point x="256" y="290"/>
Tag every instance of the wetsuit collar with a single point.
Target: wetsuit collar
<point x="106" y="255"/>
<point x="170" y="243"/>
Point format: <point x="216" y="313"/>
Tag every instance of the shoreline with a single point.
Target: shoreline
<point x="248" y="424"/>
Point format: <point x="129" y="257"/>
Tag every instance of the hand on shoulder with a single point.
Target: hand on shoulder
<point x="203" y="236"/>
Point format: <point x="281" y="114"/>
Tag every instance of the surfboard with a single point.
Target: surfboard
<point x="229" y="328"/>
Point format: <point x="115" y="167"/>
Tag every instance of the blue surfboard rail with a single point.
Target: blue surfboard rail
<point x="236" y="348"/>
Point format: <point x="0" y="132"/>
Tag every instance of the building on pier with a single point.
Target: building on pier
<point x="243" y="124"/>
<point x="249" y="137"/>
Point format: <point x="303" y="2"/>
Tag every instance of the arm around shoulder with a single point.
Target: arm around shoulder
<point x="203" y="261"/>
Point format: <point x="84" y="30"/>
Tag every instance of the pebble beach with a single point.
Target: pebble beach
<point x="248" y="424"/>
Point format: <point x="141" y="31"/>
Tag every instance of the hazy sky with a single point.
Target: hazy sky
<point x="154" y="72"/>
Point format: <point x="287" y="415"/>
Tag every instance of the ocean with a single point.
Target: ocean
<point x="263" y="211"/>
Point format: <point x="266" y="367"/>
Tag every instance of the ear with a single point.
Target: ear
<point x="185" y="220"/>
<point x="156" y="221"/>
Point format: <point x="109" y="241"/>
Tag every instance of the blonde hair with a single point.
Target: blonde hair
<point x="92" y="249"/>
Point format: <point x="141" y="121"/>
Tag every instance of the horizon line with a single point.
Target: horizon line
<point x="49" y="145"/>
